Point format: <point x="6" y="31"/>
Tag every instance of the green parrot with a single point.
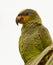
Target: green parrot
<point x="34" y="35"/>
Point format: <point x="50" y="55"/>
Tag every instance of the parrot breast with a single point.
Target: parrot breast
<point x="30" y="43"/>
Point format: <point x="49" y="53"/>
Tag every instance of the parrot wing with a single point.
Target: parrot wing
<point x="45" y="36"/>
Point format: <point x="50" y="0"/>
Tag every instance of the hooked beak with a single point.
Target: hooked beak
<point x="22" y="19"/>
<point x="19" y="19"/>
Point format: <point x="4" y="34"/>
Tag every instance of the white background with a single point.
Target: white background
<point x="10" y="32"/>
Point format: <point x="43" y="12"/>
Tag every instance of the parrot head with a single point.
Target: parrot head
<point x="26" y="16"/>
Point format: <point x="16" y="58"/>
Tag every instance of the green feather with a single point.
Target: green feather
<point x="34" y="39"/>
<point x="34" y="36"/>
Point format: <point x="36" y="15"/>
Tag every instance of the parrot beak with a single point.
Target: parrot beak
<point x="19" y="19"/>
<point x="22" y="19"/>
<point x="16" y="21"/>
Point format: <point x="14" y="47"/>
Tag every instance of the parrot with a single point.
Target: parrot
<point x="34" y="37"/>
